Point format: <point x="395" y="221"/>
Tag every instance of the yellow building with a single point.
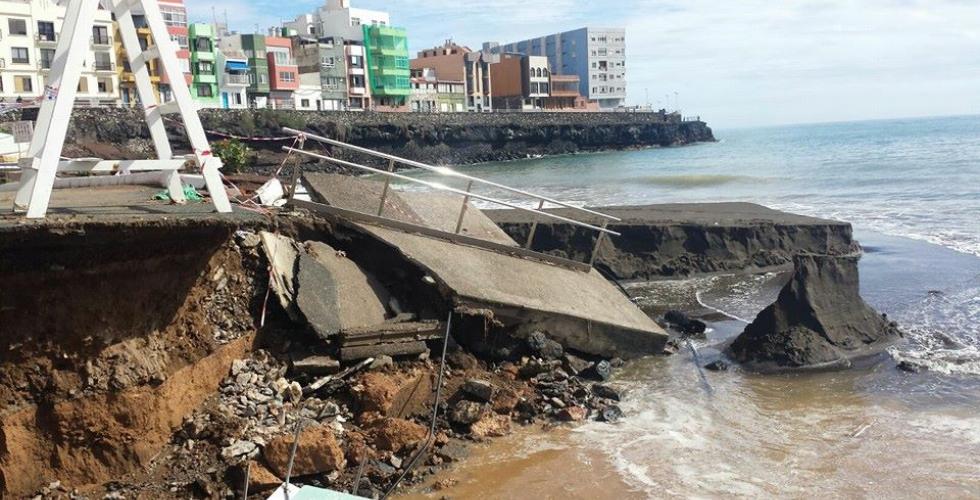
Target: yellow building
<point x="127" y="80"/>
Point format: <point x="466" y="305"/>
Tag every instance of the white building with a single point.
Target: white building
<point x="233" y="79"/>
<point x="337" y="18"/>
<point x="29" y="32"/>
<point x="309" y="95"/>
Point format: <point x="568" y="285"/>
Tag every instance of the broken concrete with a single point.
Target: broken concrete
<point x="334" y="294"/>
<point x="819" y="320"/>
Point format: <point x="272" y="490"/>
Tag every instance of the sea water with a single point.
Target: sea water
<point x="911" y="188"/>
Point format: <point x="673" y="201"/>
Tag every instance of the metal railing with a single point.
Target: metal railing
<point x="467" y="194"/>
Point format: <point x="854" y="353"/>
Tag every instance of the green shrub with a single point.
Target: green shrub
<point x="235" y="155"/>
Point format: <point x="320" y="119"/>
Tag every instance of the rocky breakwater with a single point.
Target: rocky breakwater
<point x="819" y="320"/>
<point x="683" y="239"/>
<point x="446" y="138"/>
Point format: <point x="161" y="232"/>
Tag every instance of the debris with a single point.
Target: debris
<point x="399" y="394"/>
<point x="492" y="425"/>
<point x="271" y="192"/>
<point x="604" y="391"/>
<point x="575" y="364"/>
<point x="684" y="324"/>
<point x="317" y="451"/>
<point x="315" y="365"/>
<point x="316" y="385"/>
<point x="395" y="434"/>
<point x="393" y="339"/>
<point x="718" y="365"/>
<point x="190" y="194"/>
<point x="541" y="345"/>
<point x="239" y="449"/>
<point x="480" y="389"/>
<point x="465" y="412"/>
<point x="381" y="362"/>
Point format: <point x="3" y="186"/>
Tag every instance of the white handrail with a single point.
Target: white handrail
<point x="444" y="171"/>
<point x="443" y="187"/>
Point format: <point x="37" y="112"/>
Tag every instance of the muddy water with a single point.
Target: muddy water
<point x="871" y="431"/>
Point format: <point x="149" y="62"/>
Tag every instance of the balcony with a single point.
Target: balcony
<point x="102" y="40"/>
<point x="235" y="79"/>
<point x="104" y="66"/>
<point x="46" y="38"/>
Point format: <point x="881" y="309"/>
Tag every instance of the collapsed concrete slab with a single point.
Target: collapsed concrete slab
<point x="334" y="294"/>
<point x="573" y="304"/>
<point x="819" y="320"/>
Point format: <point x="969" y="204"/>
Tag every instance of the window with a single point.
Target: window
<point x="304" y="103"/>
<point x="104" y="85"/>
<point x="327" y="62"/>
<point x="356" y="61"/>
<point x="23" y="84"/>
<point x="173" y="16"/>
<point x="202" y="44"/>
<point x="287" y="76"/>
<point x="181" y="41"/>
<point x="205" y="91"/>
<point x="355" y="21"/>
<point x="263" y="78"/>
<point x="45" y="31"/>
<point x="205" y="68"/>
<point x="20" y="55"/>
<point x="17" y="27"/>
<point x="83" y="85"/>
<point x="47" y="57"/>
<point x="102" y="61"/>
<point x="100" y="35"/>
<point x="1" y="83"/>
<point x="238" y="98"/>
<point x="282" y="57"/>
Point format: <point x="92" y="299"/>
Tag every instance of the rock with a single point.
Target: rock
<point x="819" y="319"/>
<point x="684" y="324"/>
<point x="317" y="452"/>
<point x="260" y="478"/>
<point x="541" y="345"/>
<point x="505" y="401"/>
<point x="604" y="391"/>
<point x="906" y="366"/>
<point x="397" y="394"/>
<point x="315" y="365"/>
<point x="479" y="389"/>
<point x="442" y="484"/>
<point x="453" y="451"/>
<point x="535" y="367"/>
<point x="461" y="360"/>
<point x="238" y="449"/>
<point x="247" y="239"/>
<point x="572" y="414"/>
<point x="395" y="461"/>
<point x="381" y="361"/>
<point x="395" y="434"/>
<point x="465" y="412"/>
<point x="492" y="425"/>
<point x="575" y="364"/>
<point x="717" y="365"/>
<point x="601" y="371"/>
<point x="556" y="402"/>
<point x="611" y="413"/>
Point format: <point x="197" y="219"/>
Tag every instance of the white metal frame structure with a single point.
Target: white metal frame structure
<point x="39" y="169"/>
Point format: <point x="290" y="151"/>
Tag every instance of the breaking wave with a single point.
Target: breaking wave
<point x="943" y="333"/>
<point x="698" y="180"/>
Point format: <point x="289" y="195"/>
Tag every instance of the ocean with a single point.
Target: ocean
<point x="911" y="189"/>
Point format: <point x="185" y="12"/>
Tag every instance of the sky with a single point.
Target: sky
<point x="733" y="62"/>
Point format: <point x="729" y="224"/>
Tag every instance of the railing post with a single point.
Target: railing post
<point x="598" y="241"/>
<point x="534" y="227"/>
<point x="462" y="210"/>
<point x="297" y="171"/>
<point x="384" y="193"/>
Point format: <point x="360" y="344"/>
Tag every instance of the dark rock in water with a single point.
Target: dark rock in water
<point x="540" y="344"/>
<point x="716" y="366"/>
<point x="905" y="366"/>
<point x="479" y="389"/>
<point x="601" y="371"/>
<point x="611" y="414"/>
<point x="604" y="391"/>
<point x="684" y="324"/>
<point x="819" y="319"/>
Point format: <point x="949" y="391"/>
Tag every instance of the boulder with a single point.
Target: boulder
<point x="317" y="452"/>
<point x="395" y="434"/>
<point x="541" y="345"/>
<point x="572" y="414"/>
<point x="492" y="425"/>
<point x="396" y="394"/>
<point x="819" y="320"/>
<point x="465" y="412"/>
<point x="481" y="390"/>
<point x="684" y="324"/>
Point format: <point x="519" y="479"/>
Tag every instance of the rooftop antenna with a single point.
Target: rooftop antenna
<point x="39" y="170"/>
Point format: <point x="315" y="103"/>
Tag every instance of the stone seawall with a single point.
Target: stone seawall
<point x="442" y="139"/>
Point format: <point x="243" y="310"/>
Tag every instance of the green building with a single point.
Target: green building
<point x="258" y="68"/>
<point x="386" y="55"/>
<point x="204" y="86"/>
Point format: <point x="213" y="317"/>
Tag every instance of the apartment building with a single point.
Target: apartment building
<point x="283" y="72"/>
<point x="233" y="79"/>
<point x="28" y="38"/>
<point x="358" y="90"/>
<point x="476" y="81"/>
<point x="520" y="82"/>
<point x="204" y="69"/>
<point x="127" y="80"/>
<point x="175" y="17"/>
<point x="432" y="94"/>
<point x="389" y="74"/>
<point x="257" y="64"/>
<point x="326" y="58"/>
<point x="596" y="55"/>
<point x="338" y="19"/>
